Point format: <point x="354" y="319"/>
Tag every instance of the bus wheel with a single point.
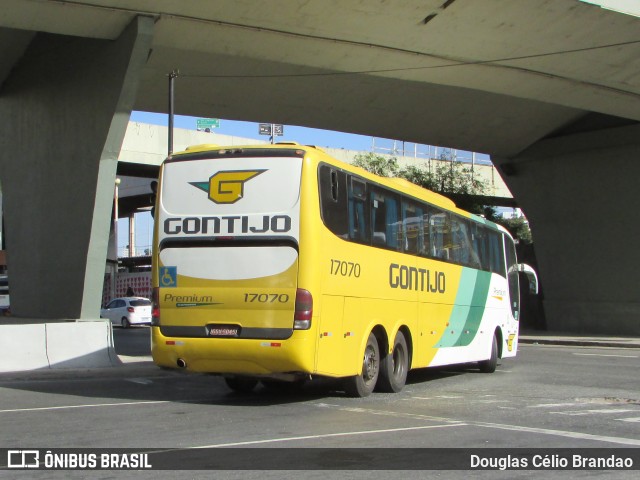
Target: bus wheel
<point x="394" y="366"/>
<point x="241" y="384"/>
<point x="362" y="385"/>
<point x="489" y="366"/>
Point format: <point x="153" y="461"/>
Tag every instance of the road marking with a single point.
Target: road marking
<point x="632" y="419"/>
<point x="328" y="435"/>
<point x="499" y="426"/>
<point x="89" y="405"/>
<point x="552" y="405"/>
<point x="605" y="355"/>
<point x="141" y="381"/>
<point x="388" y="413"/>
<point x="594" y="412"/>
<point x="561" y="433"/>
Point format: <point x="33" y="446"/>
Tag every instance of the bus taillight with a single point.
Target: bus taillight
<point x="304" y="310"/>
<point x="155" y="306"/>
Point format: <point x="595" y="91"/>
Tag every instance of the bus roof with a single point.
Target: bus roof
<point x="318" y="153"/>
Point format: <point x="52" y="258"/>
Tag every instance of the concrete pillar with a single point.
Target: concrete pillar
<point x="64" y="111"/>
<point x="580" y="194"/>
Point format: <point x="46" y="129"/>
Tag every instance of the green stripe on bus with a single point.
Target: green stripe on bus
<point x="478" y="302"/>
<point x="468" y="310"/>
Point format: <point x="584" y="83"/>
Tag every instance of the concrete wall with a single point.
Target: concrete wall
<point x="580" y="195"/>
<point x="36" y="346"/>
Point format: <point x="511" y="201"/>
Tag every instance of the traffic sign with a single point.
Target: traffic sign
<point x="204" y="123"/>
<point x="264" y="129"/>
<point x="267" y="128"/>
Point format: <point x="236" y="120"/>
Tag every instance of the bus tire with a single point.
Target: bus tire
<point x="241" y="384"/>
<point x="394" y="366"/>
<point x="489" y="366"/>
<point x="362" y="385"/>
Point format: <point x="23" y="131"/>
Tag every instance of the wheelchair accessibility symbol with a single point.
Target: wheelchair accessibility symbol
<point x="168" y="276"/>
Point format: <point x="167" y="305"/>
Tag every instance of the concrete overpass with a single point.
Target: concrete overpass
<point x="549" y="88"/>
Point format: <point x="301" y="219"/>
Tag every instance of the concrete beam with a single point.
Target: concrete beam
<point x="64" y="112"/>
<point x="577" y="191"/>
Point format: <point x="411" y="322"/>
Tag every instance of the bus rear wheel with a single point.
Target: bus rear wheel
<point x="394" y="366"/>
<point x="489" y="365"/>
<point x="241" y="384"/>
<point x="362" y="385"/>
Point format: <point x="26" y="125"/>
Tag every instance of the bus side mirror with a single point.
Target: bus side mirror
<point x="532" y="276"/>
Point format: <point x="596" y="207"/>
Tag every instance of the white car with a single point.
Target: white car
<point x="127" y="311"/>
<point x="4" y="294"/>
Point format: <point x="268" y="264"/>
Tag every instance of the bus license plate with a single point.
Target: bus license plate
<point x="223" y="330"/>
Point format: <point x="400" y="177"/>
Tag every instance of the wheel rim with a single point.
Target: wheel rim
<point x="370" y="365"/>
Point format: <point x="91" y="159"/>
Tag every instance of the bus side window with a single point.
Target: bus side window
<point x="427" y="249"/>
<point x="512" y="277"/>
<point x="496" y="253"/>
<point x="413" y="228"/>
<point x="441" y="234"/>
<point x="462" y="249"/>
<point x="358" y="209"/>
<point x="480" y="245"/>
<point x="384" y="220"/>
<point x="333" y="200"/>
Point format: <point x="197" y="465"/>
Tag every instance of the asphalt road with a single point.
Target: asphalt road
<point x="549" y="396"/>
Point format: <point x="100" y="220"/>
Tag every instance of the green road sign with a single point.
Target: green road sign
<point x="204" y="123"/>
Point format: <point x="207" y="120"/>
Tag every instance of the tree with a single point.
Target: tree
<point x="377" y="164"/>
<point x="518" y="228"/>
<point x="447" y="178"/>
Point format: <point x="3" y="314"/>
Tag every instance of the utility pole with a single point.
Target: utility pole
<point x="172" y="77"/>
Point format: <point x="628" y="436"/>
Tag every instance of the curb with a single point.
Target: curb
<point x="578" y="343"/>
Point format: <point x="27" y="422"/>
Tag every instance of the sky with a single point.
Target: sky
<point x="303" y="135"/>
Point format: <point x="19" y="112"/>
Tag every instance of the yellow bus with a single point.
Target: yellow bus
<point x="279" y="263"/>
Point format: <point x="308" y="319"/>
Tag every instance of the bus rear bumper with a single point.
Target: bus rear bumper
<point x="272" y="358"/>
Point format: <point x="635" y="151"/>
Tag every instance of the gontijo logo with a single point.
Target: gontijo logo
<point x="228" y="186"/>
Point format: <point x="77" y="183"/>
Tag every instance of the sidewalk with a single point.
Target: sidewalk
<point x="553" y="338"/>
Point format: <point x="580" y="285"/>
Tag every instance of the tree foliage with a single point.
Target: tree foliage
<point x="449" y="178"/>
<point x="446" y="178"/>
<point x="518" y="228"/>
